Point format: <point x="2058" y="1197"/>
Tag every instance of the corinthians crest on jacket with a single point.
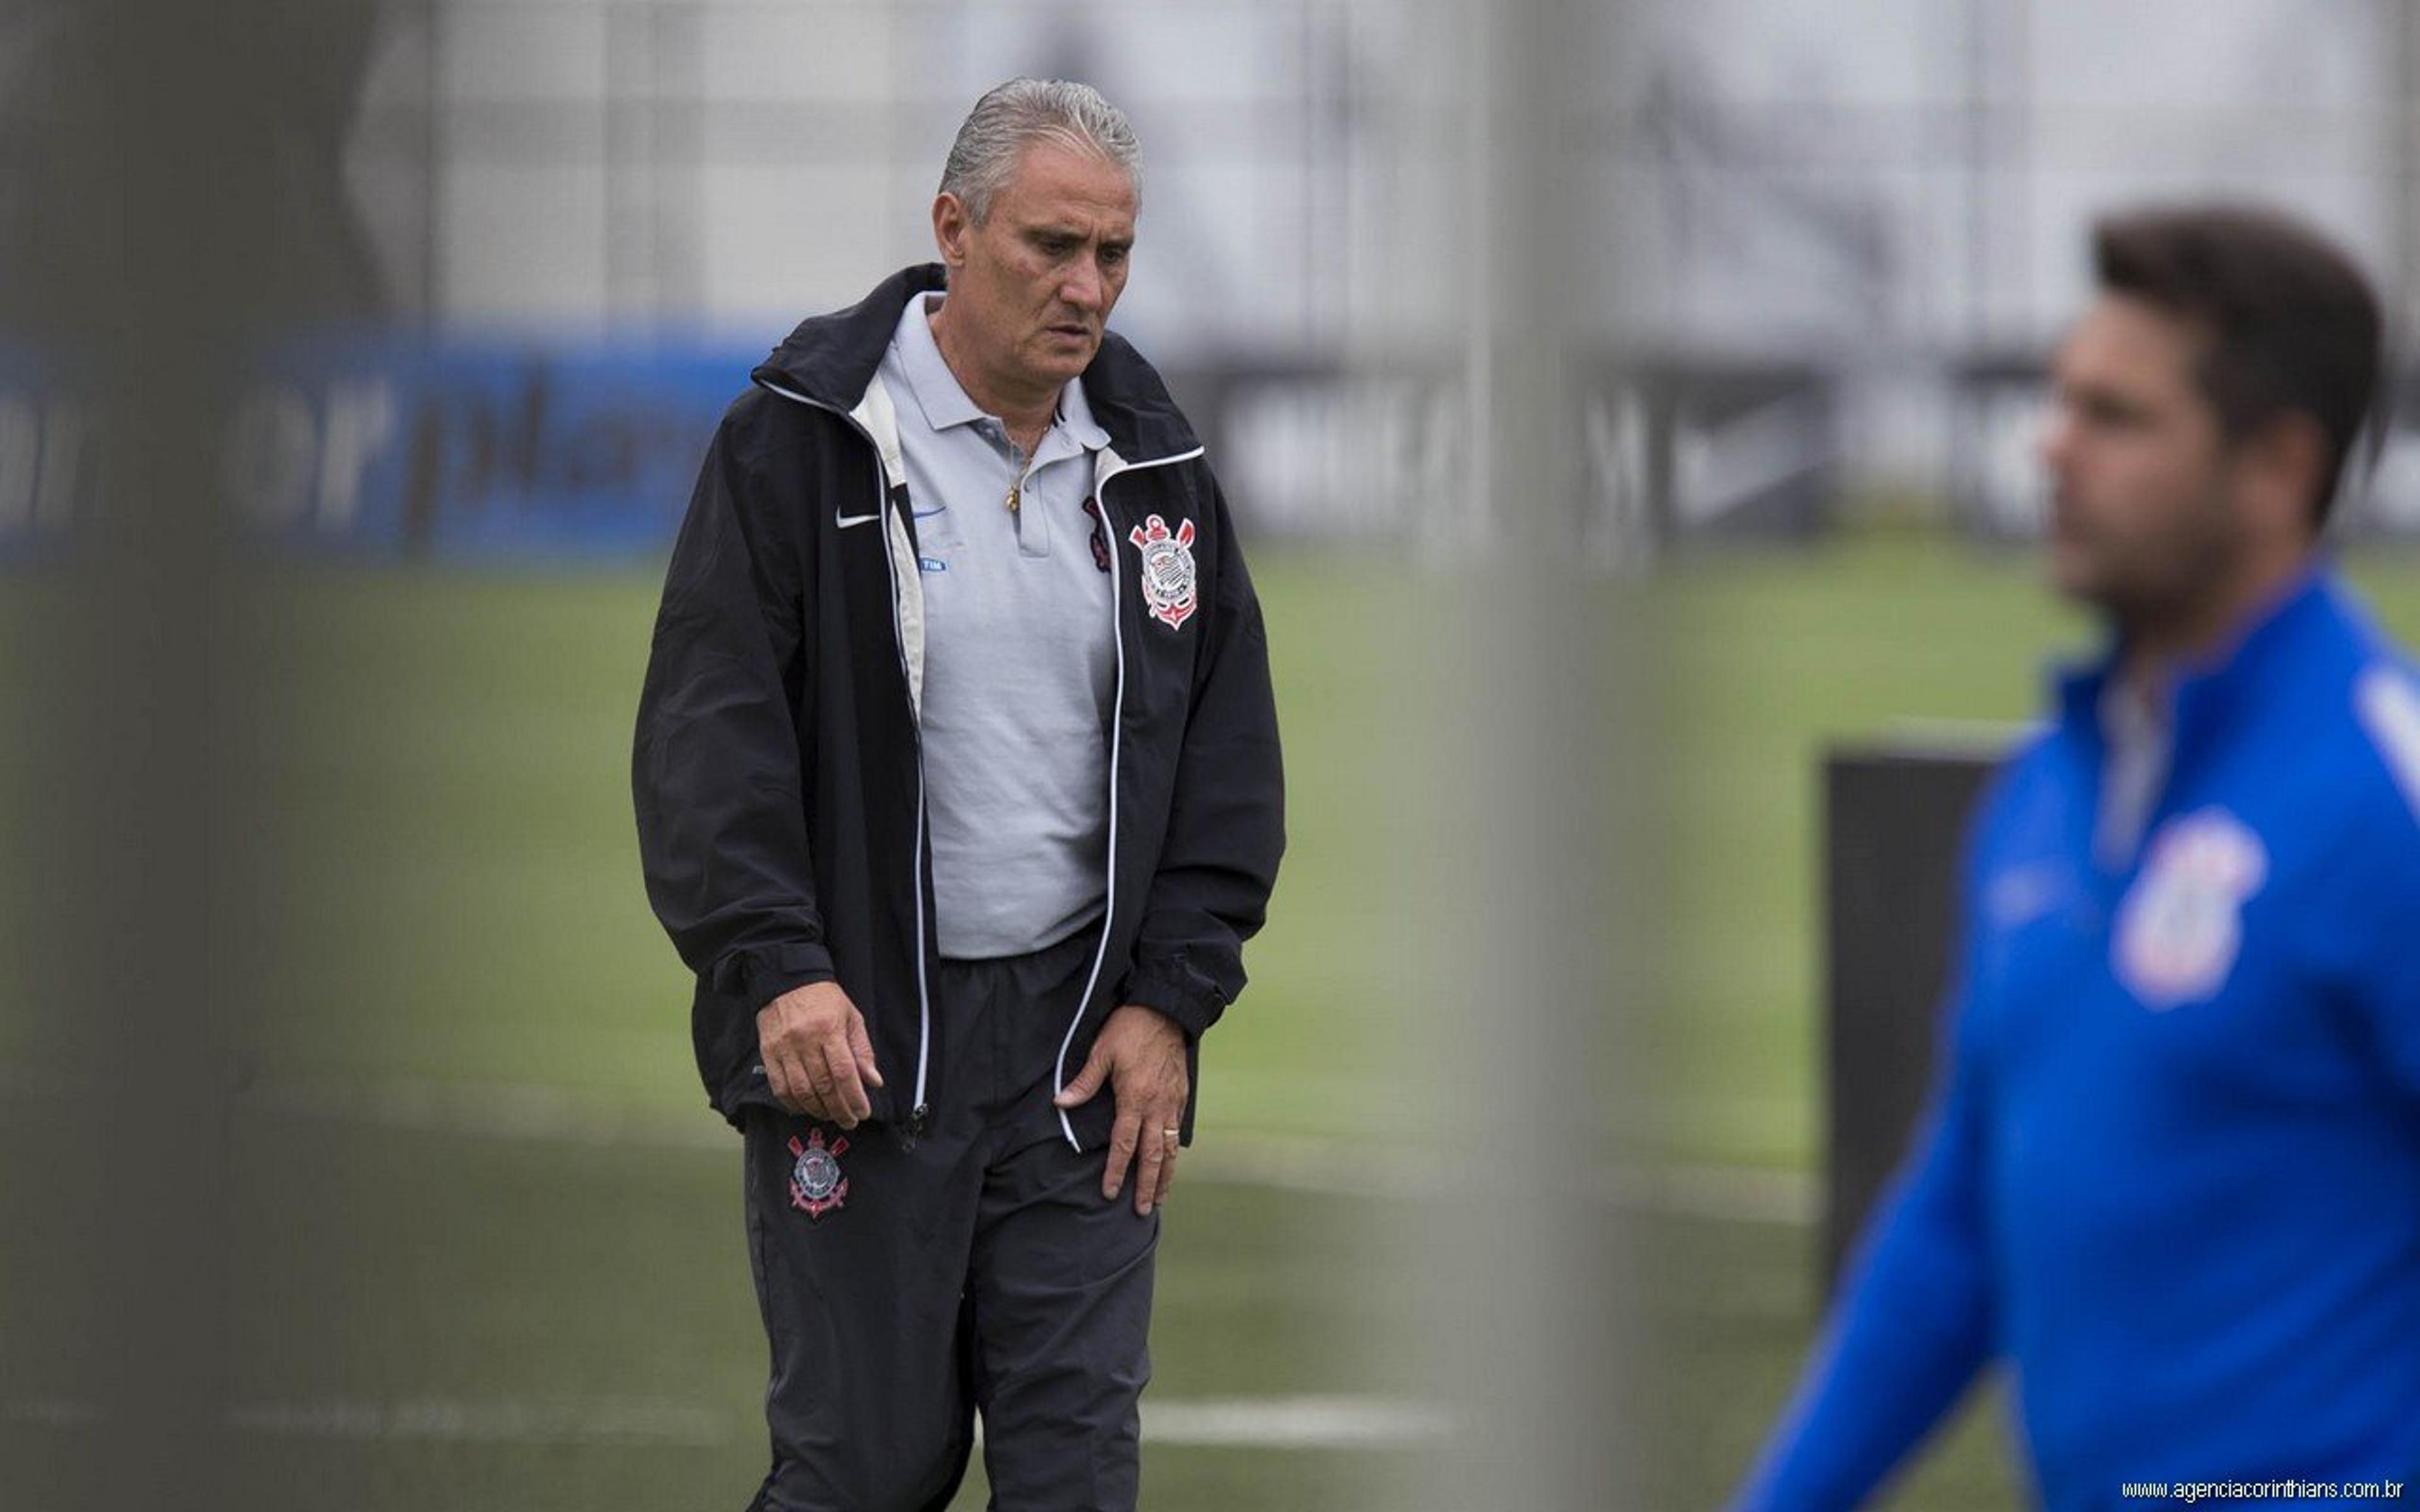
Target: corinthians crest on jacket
<point x="2181" y="925"/>
<point x="1168" y="575"/>
<point x="817" y="1185"/>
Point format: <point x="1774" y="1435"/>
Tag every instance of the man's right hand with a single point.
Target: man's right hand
<point x="817" y="1054"/>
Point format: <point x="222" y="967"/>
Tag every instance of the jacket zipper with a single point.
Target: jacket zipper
<point x="1117" y="741"/>
<point x="920" y="1115"/>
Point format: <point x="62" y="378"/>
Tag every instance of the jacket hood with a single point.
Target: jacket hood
<point x="833" y="359"/>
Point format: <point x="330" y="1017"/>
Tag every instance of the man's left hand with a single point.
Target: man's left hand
<point x="1140" y="1057"/>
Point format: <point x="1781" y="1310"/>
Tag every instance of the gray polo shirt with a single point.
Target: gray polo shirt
<point x="1020" y="658"/>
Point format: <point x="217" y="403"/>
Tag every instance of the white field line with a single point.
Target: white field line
<point x="492" y="1110"/>
<point x="1215" y="1423"/>
<point x="1289" y="1422"/>
<point x="506" y="1421"/>
<point x="1293" y="1423"/>
<point x="50" y="1412"/>
<point x="1320" y="1167"/>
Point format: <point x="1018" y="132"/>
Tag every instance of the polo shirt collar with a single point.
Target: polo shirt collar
<point x="938" y="392"/>
<point x="1075" y="414"/>
<point x="945" y="401"/>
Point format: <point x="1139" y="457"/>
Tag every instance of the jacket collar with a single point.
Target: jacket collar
<point x="2207" y="697"/>
<point x="832" y="361"/>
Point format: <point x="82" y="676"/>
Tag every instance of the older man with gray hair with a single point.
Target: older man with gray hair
<point x="958" y="789"/>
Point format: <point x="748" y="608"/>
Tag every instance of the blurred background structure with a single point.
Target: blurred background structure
<point x="462" y="286"/>
<point x="1826" y="251"/>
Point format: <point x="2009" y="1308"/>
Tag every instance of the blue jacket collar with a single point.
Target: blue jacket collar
<point x="2206" y="697"/>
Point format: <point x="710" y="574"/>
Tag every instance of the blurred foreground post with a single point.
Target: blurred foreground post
<point x="154" y="151"/>
<point x="1534" y="761"/>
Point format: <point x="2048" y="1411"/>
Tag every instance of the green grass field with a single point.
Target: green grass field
<point x="490" y="1247"/>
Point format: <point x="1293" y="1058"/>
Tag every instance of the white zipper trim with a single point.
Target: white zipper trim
<point x="879" y="412"/>
<point x="1117" y="467"/>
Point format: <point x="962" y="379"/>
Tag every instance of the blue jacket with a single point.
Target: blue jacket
<point x="2171" y="1174"/>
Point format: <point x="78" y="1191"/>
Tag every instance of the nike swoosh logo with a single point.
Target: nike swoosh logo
<point x="844" y="522"/>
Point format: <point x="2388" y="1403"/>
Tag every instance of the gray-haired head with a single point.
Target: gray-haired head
<point x="1022" y="112"/>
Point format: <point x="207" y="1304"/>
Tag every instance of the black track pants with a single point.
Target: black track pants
<point x="978" y="1269"/>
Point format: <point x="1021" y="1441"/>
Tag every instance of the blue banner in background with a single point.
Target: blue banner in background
<point x="481" y="449"/>
<point x="497" y="449"/>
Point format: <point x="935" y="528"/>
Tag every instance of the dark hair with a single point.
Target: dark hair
<point x="2292" y="324"/>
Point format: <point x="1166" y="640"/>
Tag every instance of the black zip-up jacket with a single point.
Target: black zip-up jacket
<point x="777" y="770"/>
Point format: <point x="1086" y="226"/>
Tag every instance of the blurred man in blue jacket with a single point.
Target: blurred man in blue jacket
<point x="2172" y="1173"/>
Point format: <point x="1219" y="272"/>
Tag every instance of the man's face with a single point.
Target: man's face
<point x="2144" y="513"/>
<point x="1033" y="285"/>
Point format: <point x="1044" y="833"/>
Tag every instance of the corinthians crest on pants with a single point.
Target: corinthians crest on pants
<point x="1166" y="570"/>
<point x="817" y="1185"/>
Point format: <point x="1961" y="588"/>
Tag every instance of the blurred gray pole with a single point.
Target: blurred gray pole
<point x="176" y="171"/>
<point x="125" y="1093"/>
<point x="1977" y="177"/>
<point x="2402" y="62"/>
<point x="1528" y="1295"/>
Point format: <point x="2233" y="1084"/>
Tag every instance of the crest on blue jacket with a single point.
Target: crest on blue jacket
<point x="2182" y="924"/>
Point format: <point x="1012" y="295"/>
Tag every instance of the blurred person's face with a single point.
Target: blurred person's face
<point x="1032" y="285"/>
<point x="2146" y="513"/>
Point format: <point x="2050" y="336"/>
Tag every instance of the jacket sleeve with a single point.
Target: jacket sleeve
<point x="2394" y="998"/>
<point x="1226" y="828"/>
<point x="1912" y="1322"/>
<point x="714" y="766"/>
<point x="2379" y="914"/>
